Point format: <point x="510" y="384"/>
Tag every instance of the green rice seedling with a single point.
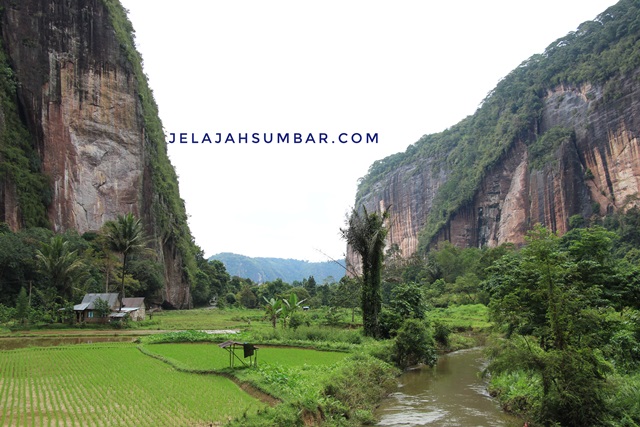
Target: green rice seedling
<point x="111" y="385"/>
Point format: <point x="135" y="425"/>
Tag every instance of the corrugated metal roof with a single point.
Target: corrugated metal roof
<point x="118" y="315"/>
<point x="90" y="299"/>
<point x="80" y="307"/>
<point x="136" y="302"/>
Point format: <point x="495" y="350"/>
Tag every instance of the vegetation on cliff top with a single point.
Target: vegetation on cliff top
<point x="602" y="51"/>
<point x="168" y="208"/>
<point x="19" y="161"/>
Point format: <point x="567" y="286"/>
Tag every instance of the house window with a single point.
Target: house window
<point x="90" y="314"/>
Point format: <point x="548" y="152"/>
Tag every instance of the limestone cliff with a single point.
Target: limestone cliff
<point x="83" y="97"/>
<point x="558" y="137"/>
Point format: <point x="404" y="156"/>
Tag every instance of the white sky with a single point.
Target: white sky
<point x="399" y="69"/>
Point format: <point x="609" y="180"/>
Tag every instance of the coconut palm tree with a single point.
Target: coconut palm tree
<point x="366" y="234"/>
<point x="63" y="267"/>
<point x="125" y="236"/>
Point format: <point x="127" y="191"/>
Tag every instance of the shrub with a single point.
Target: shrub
<point x="389" y="324"/>
<point x="414" y="344"/>
<point x="441" y="333"/>
<point x="357" y="387"/>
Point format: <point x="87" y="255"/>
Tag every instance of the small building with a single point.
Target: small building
<point x="133" y="308"/>
<point x="86" y="310"/>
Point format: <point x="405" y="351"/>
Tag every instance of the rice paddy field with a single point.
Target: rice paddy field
<point x="123" y="383"/>
<point x="116" y="384"/>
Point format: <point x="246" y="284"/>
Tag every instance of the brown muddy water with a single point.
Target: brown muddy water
<point x="447" y="395"/>
<point x="22" y="342"/>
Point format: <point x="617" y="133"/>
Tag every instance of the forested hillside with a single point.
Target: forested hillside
<point x="262" y="270"/>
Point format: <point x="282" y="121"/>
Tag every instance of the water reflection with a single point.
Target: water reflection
<point x="449" y="394"/>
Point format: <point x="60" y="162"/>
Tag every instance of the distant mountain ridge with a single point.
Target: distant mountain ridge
<point x="267" y="269"/>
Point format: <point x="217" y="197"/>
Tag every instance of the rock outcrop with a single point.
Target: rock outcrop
<point x="557" y="137"/>
<point x="79" y="96"/>
<point x="593" y="172"/>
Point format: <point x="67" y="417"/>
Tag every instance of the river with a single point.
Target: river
<point x="449" y="394"/>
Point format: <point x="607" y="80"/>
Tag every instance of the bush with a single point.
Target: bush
<point x="298" y="320"/>
<point x="358" y="385"/>
<point x="414" y="344"/>
<point x="441" y="333"/>
<point x="389" y="323"/>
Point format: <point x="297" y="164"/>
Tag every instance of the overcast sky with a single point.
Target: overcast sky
<point x="396" y="69"/>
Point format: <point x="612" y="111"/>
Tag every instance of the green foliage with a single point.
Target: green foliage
<point x="247" y="298"/>
<point x="102" y="307"/>
<point x="555" y="300"/>
<point x="171" y="225"/>
<point x="125" y="236"/>
<point x="22" y="306"/>
<point x="543" y="151"/>
<point x="407" y="301"/>
<point x="517" y="391"/>
<point x="289" y="307"/>
<point x="348" y="294"/>
<point x="6" y="314"/>
<point x="366" y="233"/>
<point x="604" y="52"/>
<point x="212" y="282"/>
<point x="441" y="333"/>
<point x="19" y="161"/>
<point x="359" y="384"/>
<point x="273" y="308"/>
<point x="414" y="344"/>
<point x="461" y="317"/>
<point x="624" y="403"/>
<point x="62" y="266"/>
<point x="178" y="337"/>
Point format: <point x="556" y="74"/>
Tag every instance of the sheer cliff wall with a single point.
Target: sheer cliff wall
<point x="81" y="97"/>
<point x="592" y="172"/>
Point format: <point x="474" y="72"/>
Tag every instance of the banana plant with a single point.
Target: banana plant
<point x="289" y="307"/>
<point x="273" y="309"/>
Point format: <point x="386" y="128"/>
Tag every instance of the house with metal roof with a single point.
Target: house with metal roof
<point x="132" y="308"/>
<point x="135" y="308"/>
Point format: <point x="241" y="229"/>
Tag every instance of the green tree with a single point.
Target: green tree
<point x="247" y="298"/>
<point x="407" y="301"/>
<point x="348" y="294"/>
<point x="366" y="233"/>
<point x="62" y="266"/>
<point x="125" y="236"/>
<point x="310" y="285"/>
<point x="211" y="281"/>
<point x="102" y="308"/>
<point x="22" y="306"/>
<point x="547" y="302"/>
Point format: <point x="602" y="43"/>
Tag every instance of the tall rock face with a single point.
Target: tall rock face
<point x="81" y="95"/>
<point x="575" y="150"/>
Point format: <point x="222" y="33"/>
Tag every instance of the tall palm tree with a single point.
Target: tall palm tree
<point x="125" y="236"/>
<point x="64" y="267"/>
<point x="366" y="235"/>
